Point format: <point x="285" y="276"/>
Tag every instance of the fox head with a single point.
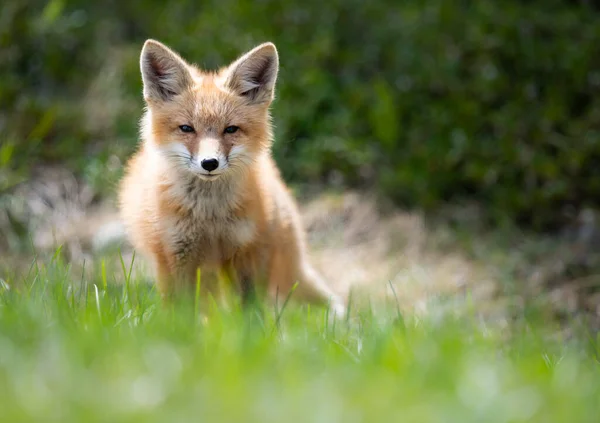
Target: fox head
<point x="213" y="124"/>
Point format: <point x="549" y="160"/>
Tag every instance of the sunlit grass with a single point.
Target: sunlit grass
<point x="92" y="350"/>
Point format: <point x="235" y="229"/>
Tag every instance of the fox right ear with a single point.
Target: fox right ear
<point x="254" y="74"/>
<point x="164" y="73"/>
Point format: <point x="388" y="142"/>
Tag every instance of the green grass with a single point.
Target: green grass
<point x="96" y="351"/>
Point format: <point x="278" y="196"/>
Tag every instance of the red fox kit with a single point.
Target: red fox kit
<point x="203" y="190"/>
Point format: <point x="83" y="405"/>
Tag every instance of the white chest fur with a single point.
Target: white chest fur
<point x="207" y="230"/>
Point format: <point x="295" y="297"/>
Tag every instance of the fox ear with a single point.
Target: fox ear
<point x="164" y="72"/>
<point x="254" y="74"/>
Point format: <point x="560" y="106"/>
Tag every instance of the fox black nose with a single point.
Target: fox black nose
<point x="210" y="164"/>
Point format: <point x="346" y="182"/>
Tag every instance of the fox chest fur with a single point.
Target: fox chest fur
<point x="202" y="224"/>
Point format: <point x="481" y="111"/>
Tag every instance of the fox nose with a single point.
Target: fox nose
<point x="209" y="164"/>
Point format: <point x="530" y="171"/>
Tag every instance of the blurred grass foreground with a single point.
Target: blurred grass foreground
<point x="96" y="352"/>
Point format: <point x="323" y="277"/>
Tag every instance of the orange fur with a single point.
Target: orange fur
<point x="184" y="218"/>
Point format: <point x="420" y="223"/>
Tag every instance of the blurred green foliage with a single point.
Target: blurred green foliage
<point x="427" y="101"/>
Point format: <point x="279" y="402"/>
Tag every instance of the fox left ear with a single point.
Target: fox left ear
<point x="254" y="74"/>
<point x="164" y="73"/>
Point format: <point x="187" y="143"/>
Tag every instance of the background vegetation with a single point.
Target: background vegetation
<point x="425" y="101"/>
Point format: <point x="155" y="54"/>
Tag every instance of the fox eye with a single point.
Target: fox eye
<point x="186" y="128"/>
<point x="231" y="129"/>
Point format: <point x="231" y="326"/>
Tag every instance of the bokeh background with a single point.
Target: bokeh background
<point x="477" y="122"/>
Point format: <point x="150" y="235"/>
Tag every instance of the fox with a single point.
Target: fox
<point x="202" y="192"/>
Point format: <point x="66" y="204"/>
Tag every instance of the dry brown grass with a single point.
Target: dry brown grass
<point x="387" y="256"/>
<point x="352" y="243"/>
<point x="377" y="256"/>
